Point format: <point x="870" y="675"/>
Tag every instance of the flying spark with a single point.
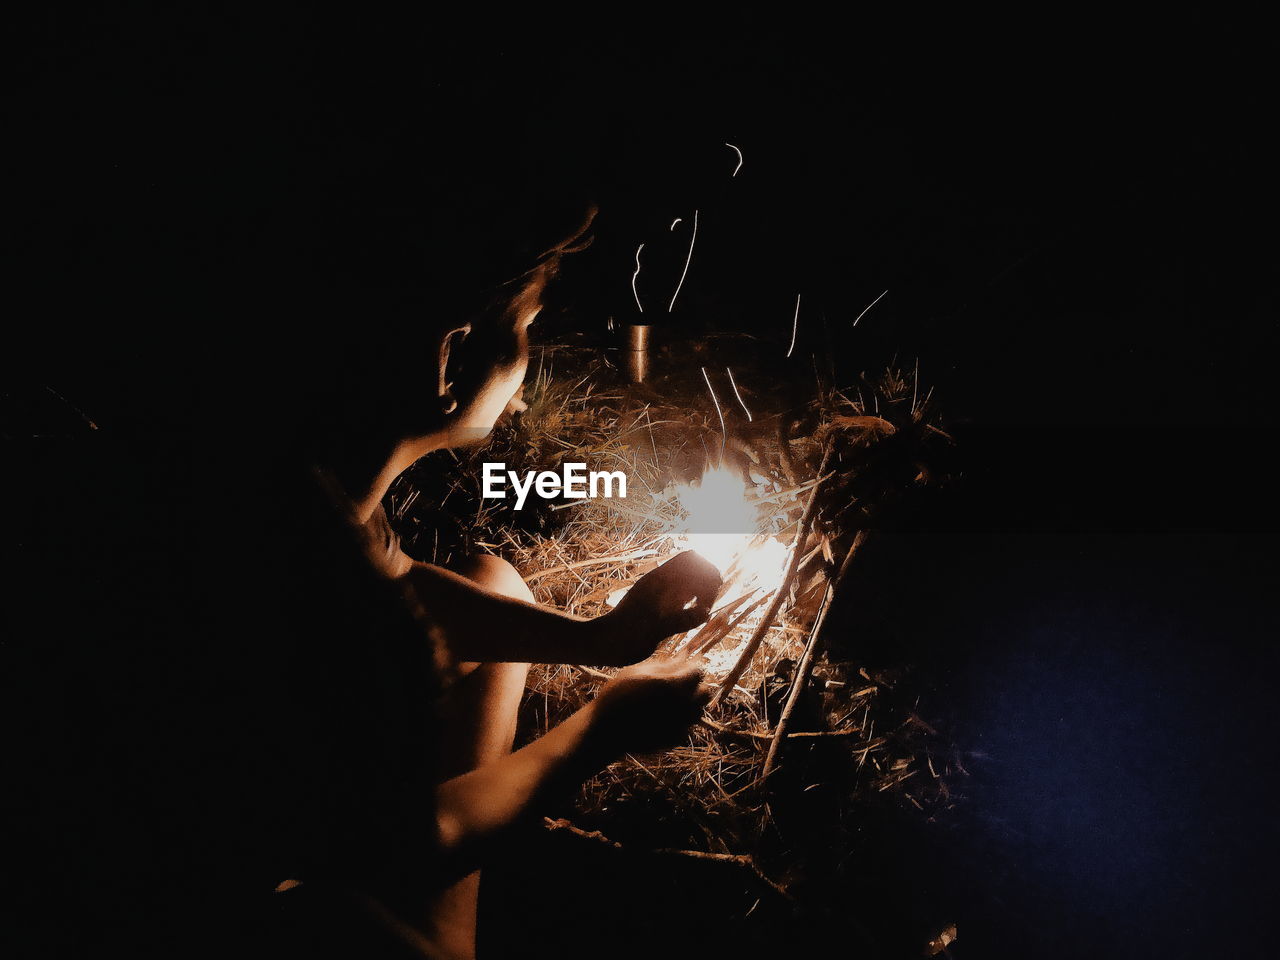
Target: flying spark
<point x="673" y="224"/>
<point x="869" y="306"/>
<point x="795" y="325"/>
<point x="687" y="261"/>
<point x="739" y="166"/>
<point x="750" y="419"/>
<point x="723" y="432"/>
<point x="634" y="276"/>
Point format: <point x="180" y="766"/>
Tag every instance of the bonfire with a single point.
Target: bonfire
<point x="783" y="504"/>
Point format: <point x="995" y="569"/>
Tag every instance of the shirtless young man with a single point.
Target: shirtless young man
<point x="492" y="629"/>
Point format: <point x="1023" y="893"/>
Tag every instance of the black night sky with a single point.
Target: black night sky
<point x="1074" y="222"/>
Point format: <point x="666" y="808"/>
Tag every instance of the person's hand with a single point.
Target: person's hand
<point x="650" y="705"/>
<point x="517" y="402"/>
<point x="675" y="597"/>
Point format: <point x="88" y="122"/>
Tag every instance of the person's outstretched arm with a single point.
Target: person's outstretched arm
<point x="644" y="708"/>
<point x="482" y="626"/>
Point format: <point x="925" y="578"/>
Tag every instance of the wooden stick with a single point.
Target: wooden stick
<point x="799" y="488"/>
<point x="727" y="609"/>
<point x="806" y="523"/>
<point x="699" y="646"/>
<point x="753" y="735"/>
<point x="718" y="619"/>
<point x="805" y="667"/>
<point x="739" y="859"/>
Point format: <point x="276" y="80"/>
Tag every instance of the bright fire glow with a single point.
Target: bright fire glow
<point x="721" y="525"/>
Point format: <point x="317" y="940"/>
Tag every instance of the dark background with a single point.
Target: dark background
<point x="1073" y="219"/>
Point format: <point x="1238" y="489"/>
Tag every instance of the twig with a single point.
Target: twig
<point x="810" y="655"/>
<point x="798" y="488"/>
<point x="730" y="731"/>
<point x="754" y="735"/>
<point x="701" y="644"/>
<point x="806" y="523"/>
<point x="568" y="826"/>
<point x="741" y="859"/>
<point x="848" y="732"/>
<point x="724" y="611"/>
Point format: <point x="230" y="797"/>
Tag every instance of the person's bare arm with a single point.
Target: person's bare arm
<point x="483" y="626"/>
<point x="643" y="708"/>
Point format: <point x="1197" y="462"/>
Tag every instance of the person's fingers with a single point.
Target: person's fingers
<point x="670" y="665"/>
<point x="678" y="669"/>
<point x="691" y="673"/>
<point x="687" y="655"/>
<point x="691" y="690"/>
<point x="696" y="713"/>
<point x="698" y="703"/>
<point x="681" y="657"/>
<point x="695" y="616"/>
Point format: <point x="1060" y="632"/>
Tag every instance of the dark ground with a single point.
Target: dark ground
<point x="1074" y="225"/>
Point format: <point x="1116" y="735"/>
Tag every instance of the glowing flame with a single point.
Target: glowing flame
<point x="721" y="525"/>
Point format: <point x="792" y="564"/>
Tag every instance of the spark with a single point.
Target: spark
<point x="673" y="224"/>
<point x="915" y="386"/>
<point x="750" y="419"/>
<point x="688" y="259"/>
<point x="739" y="153"/>
<point x="795" y="326"/>
<point x="723" y="432"/>
<point x="634" y="276"/>
<point x="869" y="306"/>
